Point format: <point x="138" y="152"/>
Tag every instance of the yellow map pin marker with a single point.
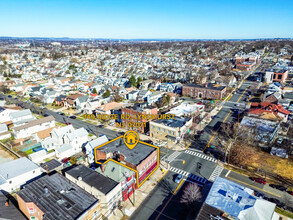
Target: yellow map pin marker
<point x="130" y="139"/>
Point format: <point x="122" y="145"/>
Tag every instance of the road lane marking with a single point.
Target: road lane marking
<point x="178" y="187"/>
<point x="163" y="176"/>
<point x="216" y="132"/>
<point x="228" y="173"/>
<point x="253" y="186"/>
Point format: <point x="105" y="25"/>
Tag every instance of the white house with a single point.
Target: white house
<point x="66" y="141"/>
<point x="4" y="133"/>
<point x="21" y="117"/>
<point x="16" y="173"/>
<point x="90" y="146"/>
<point x="154" y="97"/>
<point x="33" y="127"/>
<point x="4" y="114"/>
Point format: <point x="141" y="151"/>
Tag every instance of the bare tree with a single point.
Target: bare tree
<point x="191" y="194"/>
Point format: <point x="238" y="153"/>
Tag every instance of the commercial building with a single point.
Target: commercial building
<point x="122" y="174"/>
<point x="205" y="91"/>
<point x="187" y="109"/>
<point x="55" y="197"/>
<point x="173" y="129"/>
<point x="103" y="188"/>
<point x="142" y="158"/>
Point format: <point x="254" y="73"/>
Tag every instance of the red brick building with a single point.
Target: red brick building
<point x="135" y="115"/>
<point x="142" y="158"/>
<point x="206" y="91"/>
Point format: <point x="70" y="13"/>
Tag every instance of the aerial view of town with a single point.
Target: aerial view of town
<point x="155" y="110"/>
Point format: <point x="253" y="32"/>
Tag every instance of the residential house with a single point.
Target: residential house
<point x="22" y="117"/>
<point x="154" y="97"/>
<point x="103" y="188"/>
<point x="143" y="94"/>
<point x="55" y="197"/>
<point x="108" y="108"/>
<point x="4" y="133"/>
<point x="265" y="131"/>
<point x="70" y="101"/>
<point x="167" y="87"/>
<point x="59" y="100"/>
<point x="91" y="105"/>
<point x="66" y="141"/>
<point x="132" y="96"/>
<point x="5" y="113"/>
<point x="33" y="127"/>
<point x="80" y="102"/>
<point x="145" y="84"/>
<point x="90" y="146"/>
<point x="263" y="108"/>
<point x="15" y="173"/>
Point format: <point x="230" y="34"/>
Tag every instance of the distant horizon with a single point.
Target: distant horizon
<point x="132" y="19"/>
<point x="147" y="39"/>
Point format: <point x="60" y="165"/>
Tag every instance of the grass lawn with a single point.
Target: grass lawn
<point x="256" y="158"/>
<point x="283" y="212"/>
<point x="28" y="152"/>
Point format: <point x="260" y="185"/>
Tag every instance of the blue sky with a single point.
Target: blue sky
<point x="184" y="19"/>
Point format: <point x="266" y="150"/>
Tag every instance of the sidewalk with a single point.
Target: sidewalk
<point x="140" y="195"/>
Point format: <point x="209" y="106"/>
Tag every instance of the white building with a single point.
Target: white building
<point x="33" y="127"/>
<point x="90" y="146"/>
<point x="15" y="173"/>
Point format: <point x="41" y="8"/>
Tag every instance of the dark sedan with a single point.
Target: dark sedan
<point x="279" y="187"/>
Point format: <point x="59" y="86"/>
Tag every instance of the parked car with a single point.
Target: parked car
<point x="290" y="192"/>
<point x="258" y="180"/>
<point x="280" y="140"/>
<point x="178" y="178"/>
<point x="258" y="194"/>
<point x="279" y="187"/>
<point x="65" y="160"/>
<point x="46" y="115"/>
<point x="73" y="117"/>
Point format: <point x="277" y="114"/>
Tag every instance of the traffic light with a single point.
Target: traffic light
<point x="183" y="161"/>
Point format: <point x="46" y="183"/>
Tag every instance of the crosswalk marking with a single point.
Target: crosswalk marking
<point x="194" y="153"/>
<point x="190" y="176"/>
<point x="217" y="172"/>
<point x="173" y="156"/>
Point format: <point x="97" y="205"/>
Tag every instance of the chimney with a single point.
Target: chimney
<point x="102" y="167"/>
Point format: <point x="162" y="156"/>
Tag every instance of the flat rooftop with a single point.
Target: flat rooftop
<point x="100" y="182"/>
<point x="64" y="199"/>
<point x="177" y="122"/>
<point x="208" y="86"/>
<point x="134" y="156"/>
